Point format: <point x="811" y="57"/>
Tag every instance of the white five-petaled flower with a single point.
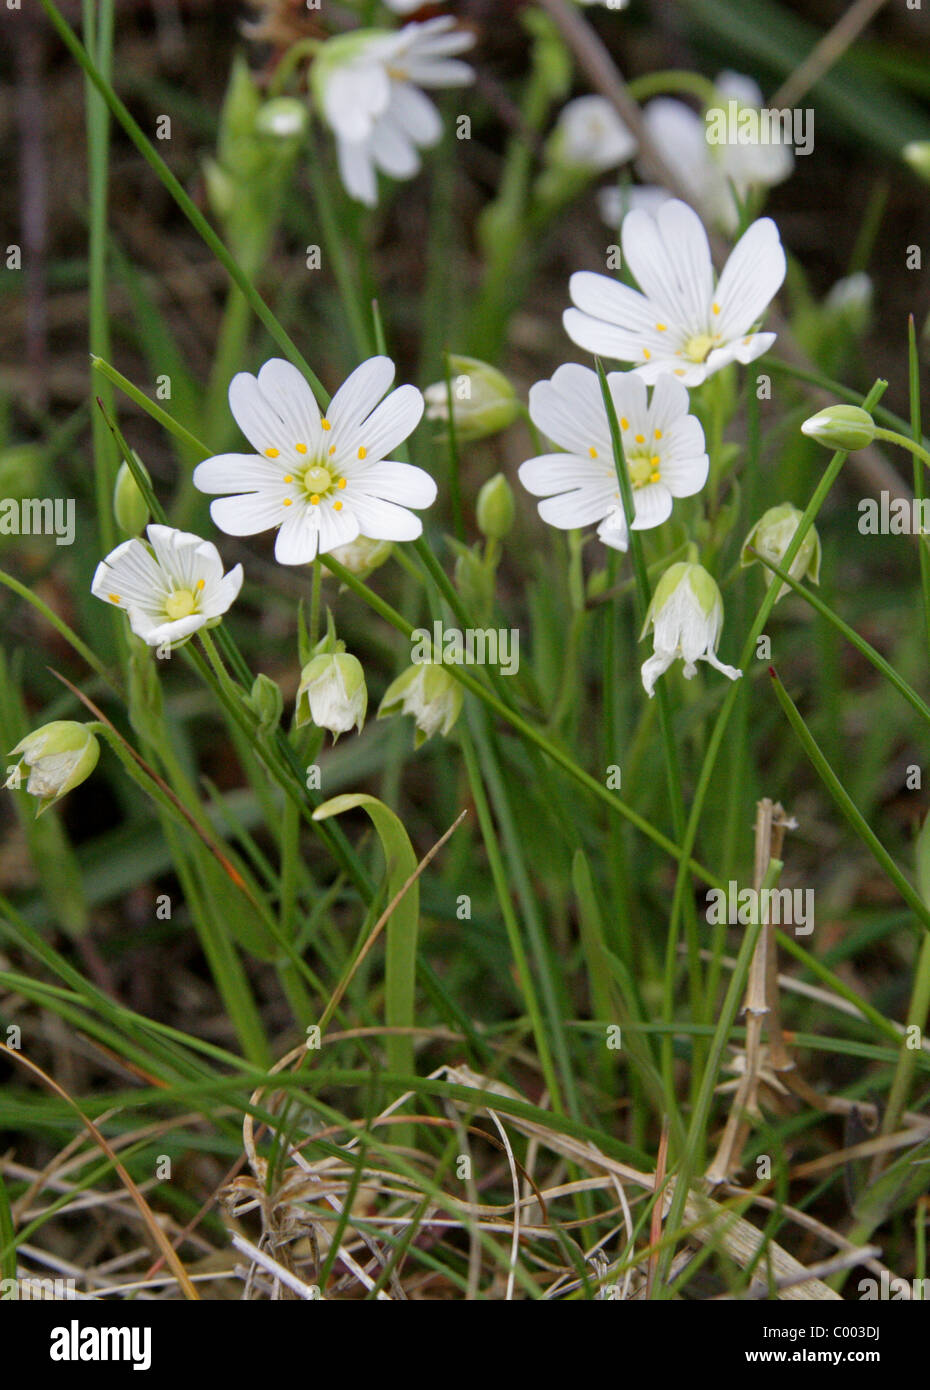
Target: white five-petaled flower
<point x="168" y="588"/>
<point x="682" y="321"/>
<point x="717" y="175"/>
<point x="662" y="444"/>
<point x="686" y="615"/>
<point x="368" y="88"/>
<point x="322" y="480"/>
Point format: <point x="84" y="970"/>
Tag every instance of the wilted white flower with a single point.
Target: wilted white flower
<point x="686" y="615"/>
<point x="680" y="321"/>
<point x="771" y="537"/>
<point x="332" y="693"/>
<point x="59" y="756"/>
<point x="321" y="480"/>
<point x="663" y="447"/>
<point x="430" y="694"/>
<point x="168" y="588"/>
<point x="367" y="85"/>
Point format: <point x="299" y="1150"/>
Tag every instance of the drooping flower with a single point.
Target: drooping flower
<point x="59" y="756"/>
<point x="321" y="480"/>
<point x="663" y="447"/>
<point x="430" y="694"/>
<point x="717" y="177"/>
<point x="590" y="135"/>
<point x="332" y="693"/>
<point x="771" y="537"/>
<point x="686" y="615"/>
<point x="168" y="588"/>
<point x="680" y="321"/>
<point x="367" y="85"/>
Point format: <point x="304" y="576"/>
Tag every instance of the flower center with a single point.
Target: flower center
<point x="697" y="348"/>
<point x="317" y="481"/>
<point x="643" y="468"/>
<point x="180" y="604"/>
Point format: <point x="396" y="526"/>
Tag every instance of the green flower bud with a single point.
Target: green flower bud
<point x="430" y="694"/>
<point x="361" y="556"/>
<point x="917" y="155"/>
<point x="332" y="693"/>
<point x="267" y="701"/>
<point x="494" y="510"/>
<point x="474" y="578"/>
<point x="841" y="427"/>
<point x="129" y="506"/>
<point x="483" y="400"/>
<point x="60" y="756"/>
<point x="771" y="537"/>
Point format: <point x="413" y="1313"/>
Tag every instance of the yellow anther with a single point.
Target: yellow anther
<point x="679" y="371"/>
<point x="325" y="423"/>
<point x="337" y="506"/>
<point x="301" y="448"/>
<point x="314" y="499"/>
<point x="332" y="448"/>
<point x="363" y="453"/>
<point x="341" y="482"/>
<point x="640" y="439"/>
<point x="592" y="451"/>
<point x="272" y="453"/>
<point x="646" y="353"/>
<point x="661" y="327"/>
<point x="288" y="502"/>
<point x="114" y="598"/>
<point x="654" y="477"/>
<point x="716" y="308"/>
<point x="655" y="460"/>
<point x="288" y="477"/>
<point x="658" y="434"/>
<point x="200" y="584"/>
<point x="624" y="423"/>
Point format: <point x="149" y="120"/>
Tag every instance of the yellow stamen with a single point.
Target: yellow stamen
<point x="658" y="434"/>
<point x="341" y="482"/>
<point x="716" y="308"/>
<point x="646" y="353"/>
<point x="640" y="439"/>
<point x="272" y="453"/>
<point x="654" y="460"/>
<point x="363" y="453"/>
<point x="661" y="327"/>
<point x="337" y="506"/>
<point x="624" y="423"/>
<point x="288" y="477"/>
<point x="200" y="584"/>
<point x="332" y="448"/>
<point x="679" y="371"/>
<point x="655" y="477"/>
<point x="314" y="499"/>
<point x="301" y="448"/>
<point x="592" y="451"/>
<point x="288" y="502"/>
<point x="114" y="598"/>
<point x="325" y="423"/>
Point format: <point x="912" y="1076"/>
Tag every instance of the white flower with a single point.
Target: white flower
<point x="590" y="135"/>
<point x="662" y="444"/>
<point x="322" y="480"/>
<point x="430" y="694"/>
<point x="367" y="86"/>
<point x="607" y="4"/>
<point x="59" y="756"/>
<point x="332" y="693"/>
<point x="686" y="614"/>
<point x="710" y="174"/>
<point x="682" y="322"/>
<point x="168" y="588"/>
